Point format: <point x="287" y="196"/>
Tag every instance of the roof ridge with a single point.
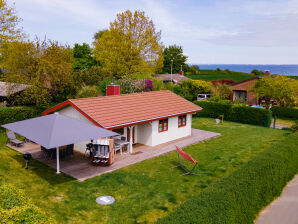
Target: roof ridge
<point x="125" y="94"/>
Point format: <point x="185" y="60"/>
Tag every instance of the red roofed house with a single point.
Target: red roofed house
<point x="149" y="118"/>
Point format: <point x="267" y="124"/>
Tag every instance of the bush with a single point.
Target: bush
<point x="242" y="114"/>
<point x="16" y="208"/>
<point x="12" y="114"/>
<point x="239" y="197"/>
<point x="88" y="91"/>
<point x="283" y="112"/>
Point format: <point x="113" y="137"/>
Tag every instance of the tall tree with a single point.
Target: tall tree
<point x="173" y="55"/>
<point x="82" y="57"/>
<point x="131" y="45"/>
<point x="280" y="88"/>
<point x="44" y="65"/>
<point x="9" y="22"/>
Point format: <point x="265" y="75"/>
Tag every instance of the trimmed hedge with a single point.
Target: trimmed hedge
<point x="12" y="114"/>
<point x="16" y="208"/>
<point x="239" y="197"/>
<point x="236" y="113"/>
<point x="283" y="112"/>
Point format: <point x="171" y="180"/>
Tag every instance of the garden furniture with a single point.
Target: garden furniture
<point x="13" y="140"/>
<point x="187" y="157"/>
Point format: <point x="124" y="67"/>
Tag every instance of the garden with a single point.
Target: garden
<point x="150" y="190"/>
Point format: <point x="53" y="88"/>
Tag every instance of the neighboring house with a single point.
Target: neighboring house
<point x="242" y="90"/>
<point x="8" y="88"/>
<point x="177" y="78"/>
<point x="149" y="118"/>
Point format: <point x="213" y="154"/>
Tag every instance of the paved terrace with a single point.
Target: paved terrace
<point x="80" y="167"/>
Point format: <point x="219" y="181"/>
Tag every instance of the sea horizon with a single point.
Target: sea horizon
<point x="281" y="69"/>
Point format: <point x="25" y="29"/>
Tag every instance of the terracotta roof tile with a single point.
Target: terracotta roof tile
<point x="110" y="111"/>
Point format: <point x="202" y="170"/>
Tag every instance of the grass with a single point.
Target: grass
<point x="284" y="122"/>
<point x="145" y="191"/>
<point x="210" y="75"/>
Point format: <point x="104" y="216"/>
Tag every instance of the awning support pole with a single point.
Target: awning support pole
<point x="130" y="139"/>
<point x="58" y="162"/>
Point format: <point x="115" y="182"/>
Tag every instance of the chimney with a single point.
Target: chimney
<point x="113" y="90"/>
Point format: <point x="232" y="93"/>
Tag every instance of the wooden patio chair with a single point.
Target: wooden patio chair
<point x="187" y="157"/>
<point x="13" y="140"/>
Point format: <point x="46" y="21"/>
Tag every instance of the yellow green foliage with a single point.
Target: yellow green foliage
<point x="44" y="65"/>
<point x="282" y="89"/>
<point x="131" y="45"/>
<point x="16" y="208"/>
<point x="8" y="23"/>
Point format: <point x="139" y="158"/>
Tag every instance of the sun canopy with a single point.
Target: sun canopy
<point x="56" y="130"/>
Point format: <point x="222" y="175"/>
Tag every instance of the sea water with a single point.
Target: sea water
<point x="274" y="69"/>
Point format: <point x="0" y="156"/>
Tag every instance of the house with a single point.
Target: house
<point x="148" y="118"/>
<point x="242" y="90"/>
<point x="176" y="78"/>
<point x="9" y="88"/>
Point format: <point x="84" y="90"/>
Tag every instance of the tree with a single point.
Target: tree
<point x="9" y="21"/>
<point x="221" y="91"/>
<point x="82" y="57"/>
<point x="44" y="65"/>
<point x="257" y="72"/>
<point x="98" y="34"/>
<point x="175" y="53"/>
<point x="131" y="45"/>
<point x="189" y="89"/>
<point x="280" y="88"/>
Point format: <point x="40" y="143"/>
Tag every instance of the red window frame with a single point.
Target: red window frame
<point x="181" y="121"/>
<point x="163" y="125"/>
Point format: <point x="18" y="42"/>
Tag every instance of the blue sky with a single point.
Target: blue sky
<point x="210" y="31"/>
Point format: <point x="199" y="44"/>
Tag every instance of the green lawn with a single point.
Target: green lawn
<point x="210" y="75"/>
<point x="145" y="191"/>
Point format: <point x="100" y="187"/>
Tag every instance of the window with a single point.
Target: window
<point x="181" y="121"/>
<point x="163" y="125"/>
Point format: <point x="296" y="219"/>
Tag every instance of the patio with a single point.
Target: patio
<point x="80" y="167"/>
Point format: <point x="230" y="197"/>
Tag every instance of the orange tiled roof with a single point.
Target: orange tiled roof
<point x="121" y="110"/>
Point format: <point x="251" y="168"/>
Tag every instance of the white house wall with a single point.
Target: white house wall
<point x="173" y="133"/>
<point x="144" y="133"/>
<point x="73" y="113"/>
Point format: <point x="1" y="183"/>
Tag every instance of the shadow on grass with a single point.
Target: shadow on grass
<point x="42" y="170"/>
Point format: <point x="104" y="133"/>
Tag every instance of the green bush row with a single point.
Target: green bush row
<point x="239" y="197"/>
<point x="16" y="208"/>
<point x="283" y="112"/>
<point x="236" y="113"/>
<point x="12" y="114"/>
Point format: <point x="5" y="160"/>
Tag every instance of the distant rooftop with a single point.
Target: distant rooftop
<point x="176" y="77"/>
<point x="8" y="88"/>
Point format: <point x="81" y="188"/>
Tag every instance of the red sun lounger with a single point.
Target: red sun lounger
<point x="189" y="158"/>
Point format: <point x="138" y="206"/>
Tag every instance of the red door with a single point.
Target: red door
<point x="133" y="135"/>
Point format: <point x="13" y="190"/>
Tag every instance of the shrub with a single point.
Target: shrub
<point x="12" y="114"/>
<point x="16" y="208"/>
<point x="88" y="91"/>
<point x="236" y="113"/>
<point x="283" y="112"/>
<point x="239" y="197"/>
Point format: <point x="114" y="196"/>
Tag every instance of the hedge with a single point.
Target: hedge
<point x="16" y="208"/>
<point x="12" y="114"/>
<point x="242" y="114"/>
<point x="239" y="197"/>
<point x="283" y="112"/>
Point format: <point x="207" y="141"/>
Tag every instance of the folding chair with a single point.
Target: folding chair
<point x="189" y="158"/>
